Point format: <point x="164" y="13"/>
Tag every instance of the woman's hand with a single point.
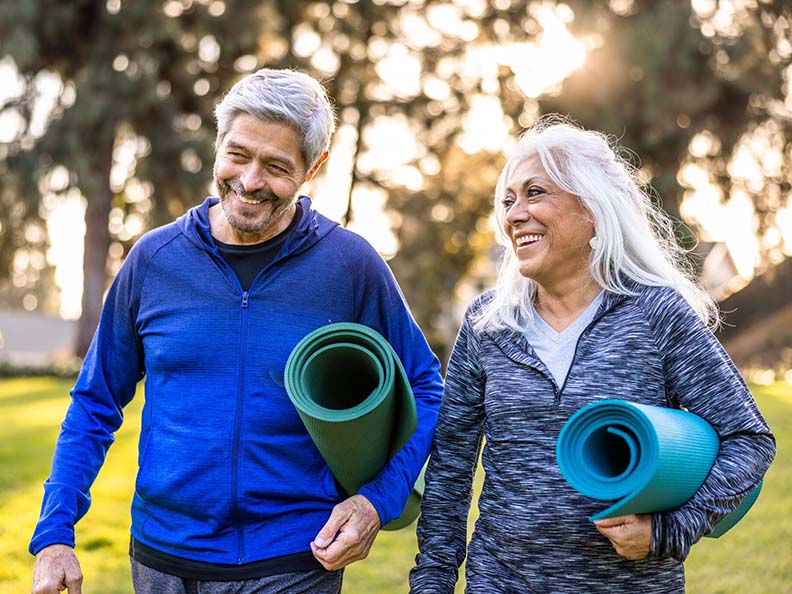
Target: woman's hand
<point x="631" y="536"/>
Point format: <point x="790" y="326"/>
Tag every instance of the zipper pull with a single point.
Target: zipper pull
<point x="244" y="299"/>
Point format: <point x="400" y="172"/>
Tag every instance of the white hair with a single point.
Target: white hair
<point x="287" y="96"/>
<point x="635" y="238"/>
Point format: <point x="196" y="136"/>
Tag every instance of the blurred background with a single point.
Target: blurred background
<point x="106" y="131"/>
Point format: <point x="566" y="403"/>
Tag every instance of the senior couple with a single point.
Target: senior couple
<point x="592" y="301"/>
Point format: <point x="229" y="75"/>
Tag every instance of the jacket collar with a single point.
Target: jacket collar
<point x="516" y="347"/>
<point x="310" y="229"/>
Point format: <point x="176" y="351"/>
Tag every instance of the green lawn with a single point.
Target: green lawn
<point x="756" y="557"/>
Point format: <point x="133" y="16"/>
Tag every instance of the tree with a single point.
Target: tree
<point x="141" y="78"/>
<point x="150" y="94"/>
<point x="666" y="73"/>
<point x="137" y="74"/>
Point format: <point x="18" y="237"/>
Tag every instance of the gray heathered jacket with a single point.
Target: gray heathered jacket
<point x="533" y="534"/>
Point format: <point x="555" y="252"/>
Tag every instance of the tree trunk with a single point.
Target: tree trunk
<point x="97" y="243"/>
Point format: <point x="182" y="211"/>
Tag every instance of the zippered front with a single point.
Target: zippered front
<point x="238" y="430"/>
<point x="226" y="472"/>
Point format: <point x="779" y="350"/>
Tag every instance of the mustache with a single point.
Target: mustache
<point x="258" y="195"/>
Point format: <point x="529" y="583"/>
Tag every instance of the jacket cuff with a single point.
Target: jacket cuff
<point x="383" y="507"/>
<point x="51" y="537"/>
<point x="656" y="546"/>
<point x="674" y="532"/>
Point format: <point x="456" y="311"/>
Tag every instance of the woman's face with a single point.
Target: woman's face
<point x="548" y="227"/>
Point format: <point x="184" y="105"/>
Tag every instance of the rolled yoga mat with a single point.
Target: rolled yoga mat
<point x="648" y="458"/>
<point x="353" y="395"/>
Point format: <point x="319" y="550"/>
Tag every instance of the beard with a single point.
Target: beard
<point x="249" y="218"/>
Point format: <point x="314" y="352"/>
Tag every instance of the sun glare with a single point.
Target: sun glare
<point x="391" y="147"/>
<point x="539" y="66"/>
<point x="66" y="228"/>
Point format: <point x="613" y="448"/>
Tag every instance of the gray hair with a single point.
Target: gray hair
<point x="636" y="240"/>
<point x="287" y="96"/>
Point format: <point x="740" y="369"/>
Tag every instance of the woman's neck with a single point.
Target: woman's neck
<point x="559" y="306"/>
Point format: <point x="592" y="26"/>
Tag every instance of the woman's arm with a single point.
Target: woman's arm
<point x="442" y="527"/>
<point x="701" y="378"/>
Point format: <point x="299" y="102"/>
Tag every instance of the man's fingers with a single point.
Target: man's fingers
<point x="334" y="556"/>
<point x="57" y="569"/>
<point x="337" y="519"/>
<point x="74" y="583"/>
<point x="348" y="534"/>
<point x="320" y="556"/>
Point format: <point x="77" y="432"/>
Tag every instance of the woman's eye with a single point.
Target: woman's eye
<point x="535" y="191"/>
<point x="507" y="202"/>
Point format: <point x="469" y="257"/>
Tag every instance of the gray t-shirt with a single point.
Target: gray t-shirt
<point x="557" y="349"/>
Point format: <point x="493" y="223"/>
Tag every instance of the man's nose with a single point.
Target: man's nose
<point x="252" y="178"/>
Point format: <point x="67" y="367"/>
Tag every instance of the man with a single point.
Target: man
<point x="231" y="494"/>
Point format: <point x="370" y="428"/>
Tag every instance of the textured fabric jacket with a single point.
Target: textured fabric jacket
<point x="228" y="473"/>
<point x="533" y="534"/>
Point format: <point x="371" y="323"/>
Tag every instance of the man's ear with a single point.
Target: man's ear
<point x="322" y="158"/>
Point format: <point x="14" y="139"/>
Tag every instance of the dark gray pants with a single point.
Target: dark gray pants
<point x="150" y="581"/>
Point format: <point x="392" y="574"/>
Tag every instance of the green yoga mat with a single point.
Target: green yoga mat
<point x="648" y="458"/>
<point x="352" y="393"/>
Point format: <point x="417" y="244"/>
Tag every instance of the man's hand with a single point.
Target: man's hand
<point x="348" y="534"/>
<point x="57" y="569"/>
<point x="631" y="536"/>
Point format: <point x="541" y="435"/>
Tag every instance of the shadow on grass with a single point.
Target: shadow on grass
<point x="34" y="396"/>
<point x="26" y="450"/>
<point x="25" y="455"/>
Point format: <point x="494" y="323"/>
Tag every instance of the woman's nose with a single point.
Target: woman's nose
<point x="518" y="213"/>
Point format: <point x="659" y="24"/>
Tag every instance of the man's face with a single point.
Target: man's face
<point x="258" y="172"/>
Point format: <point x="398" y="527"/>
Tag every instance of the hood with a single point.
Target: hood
<point x="312" y="227"/>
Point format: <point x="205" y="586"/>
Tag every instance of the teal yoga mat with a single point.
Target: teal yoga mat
<point x="353" y="395"/>
<point x="647" y="458"/>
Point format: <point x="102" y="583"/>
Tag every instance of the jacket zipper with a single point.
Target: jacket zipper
<point x="574" y="356"/>
<point x="593" y="321"/>
<point x="238" y="431"/>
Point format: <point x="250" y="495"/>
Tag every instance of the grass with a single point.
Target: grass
<point x="754" y="558"/>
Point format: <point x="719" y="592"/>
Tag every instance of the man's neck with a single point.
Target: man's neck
<point x="223" y="231"/>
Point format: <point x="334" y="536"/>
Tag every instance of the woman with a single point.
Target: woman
<point x="593" y="301"/>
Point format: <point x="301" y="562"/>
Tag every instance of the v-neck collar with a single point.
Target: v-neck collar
<point x="577" y="325"/>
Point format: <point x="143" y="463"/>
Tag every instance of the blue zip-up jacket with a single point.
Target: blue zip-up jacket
<point x="227" y="472"/>
<point x="533" y="533"/>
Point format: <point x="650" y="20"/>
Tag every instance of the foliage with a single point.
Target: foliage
<point x="133" y="77"/>
<point x="754" y="558"/>
<point x="665" y="73"/>
<point x="131" y="127"/>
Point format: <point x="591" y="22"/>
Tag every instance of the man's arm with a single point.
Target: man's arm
<point x="380" y="305"/>
<point x="107" y="382"/>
